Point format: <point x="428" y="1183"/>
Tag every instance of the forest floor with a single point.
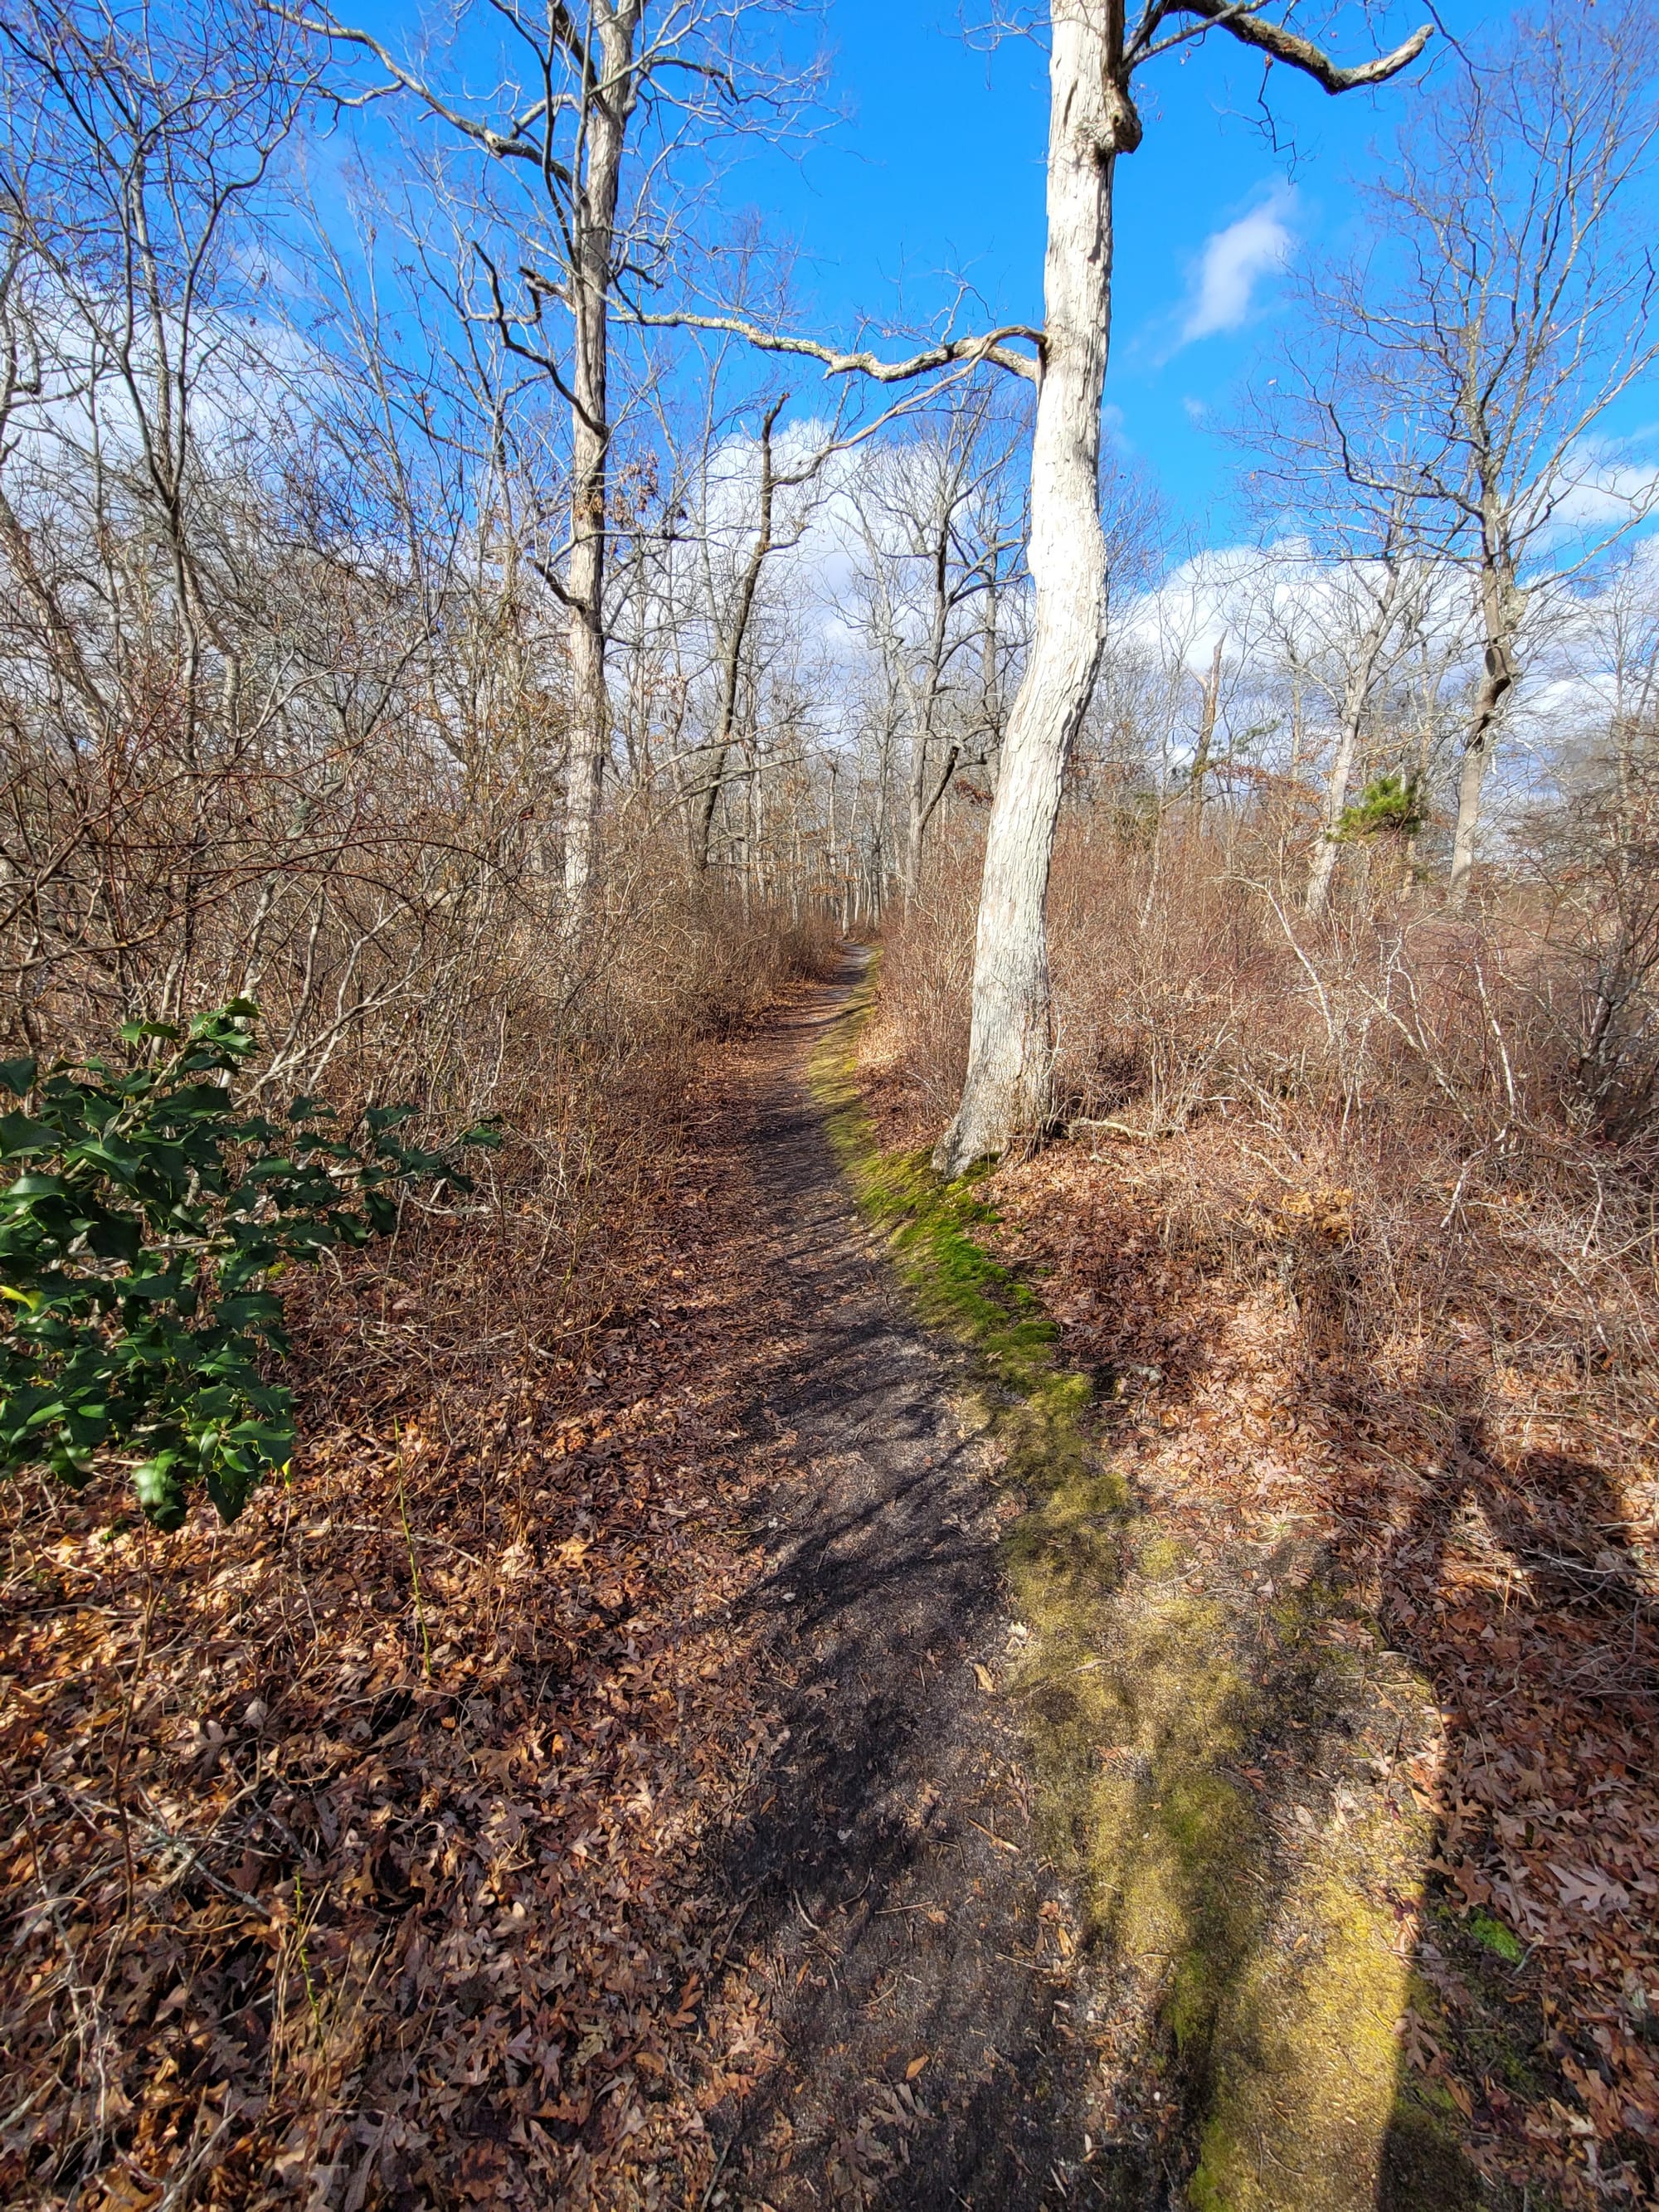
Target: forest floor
<point x="1343" y="1711"/>
<point x="586" y="1785"/>
<point x="735" y="1767"/>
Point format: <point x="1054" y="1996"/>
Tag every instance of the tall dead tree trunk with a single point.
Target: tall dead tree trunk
<point x="732" y="641"/>
<point x="1368" y="655"/>
<point x="924" y="804"/>
<point x="1009" y="1092"/>
<point x="563" y="136"/>
<point x="1209" y="709"/>
<point x="609" y="101"/>
<point x="1501" y="610"/>
<point x="923" y="703"/>
<point x="1010" y="1046"/>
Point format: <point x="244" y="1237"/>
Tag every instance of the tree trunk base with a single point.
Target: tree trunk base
<point x="995" y="1120"/>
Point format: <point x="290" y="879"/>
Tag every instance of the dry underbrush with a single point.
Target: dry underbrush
<point x="363" y="1853"/>
<point x="1337" y="1234"/>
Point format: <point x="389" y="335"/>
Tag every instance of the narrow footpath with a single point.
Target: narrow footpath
<point x="896" y="1903"/>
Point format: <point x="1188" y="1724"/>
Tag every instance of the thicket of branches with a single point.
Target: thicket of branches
<point x="409" y="626"/>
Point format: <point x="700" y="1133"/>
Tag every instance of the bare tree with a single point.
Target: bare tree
<point x="139" y="141"/>
<point x="1504" y="307"/>
<point x="1370" y="596"/>
<point x="1093" y="59"/>
<point x="596" y="86"/>
<point x="1094" y="54"/>
<point x="939" y="532"/>
<point x="1334" y="478"/>
<point x="733" y="613"/>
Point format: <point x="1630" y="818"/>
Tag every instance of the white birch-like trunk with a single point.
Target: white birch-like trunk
<point x="1355" y="698"/>
<point x="1471" y="782"/>
<point x="592" y="270"/>
<point x="1207" y="722"/>
<point x="1009" y="1090"/>
<point x="1336" y="798"/>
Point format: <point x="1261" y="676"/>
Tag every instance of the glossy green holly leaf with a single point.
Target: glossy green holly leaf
<point x="160" y="1492"/>
<point x="139" y="1247"/>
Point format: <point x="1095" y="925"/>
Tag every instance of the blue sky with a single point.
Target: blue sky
<point x="937" y="169"/>
<point x="926" y="169"/>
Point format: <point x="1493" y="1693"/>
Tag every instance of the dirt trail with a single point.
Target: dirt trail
<point x="894" y="1897"/>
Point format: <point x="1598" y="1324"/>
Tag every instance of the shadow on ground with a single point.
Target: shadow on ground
<point x="1222" y="1809"/>
<point x="895" y="1899"/>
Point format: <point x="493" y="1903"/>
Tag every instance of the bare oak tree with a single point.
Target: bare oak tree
<point x="584" y="136"/>
<point x="941" y="530"/>
<point x="1504" y="307"/>
<point x="1094" y="54"/>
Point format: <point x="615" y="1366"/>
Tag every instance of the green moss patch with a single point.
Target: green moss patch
<point x="1496" y="1938"/>
<point x="1277" y="1987"/>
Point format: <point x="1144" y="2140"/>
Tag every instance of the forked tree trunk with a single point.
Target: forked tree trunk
<point x="731" y="643"/>
<point x="1355" y="699"/>
<point x="1471" y="782"/>
<point x="1497" y="681"/>
<point x="923" y="703"/>
<point x="924" y="804"/>
<point x="1010" y="1083"/>
<point x="1336" y="799"/>
<point x="1208" y="711"/>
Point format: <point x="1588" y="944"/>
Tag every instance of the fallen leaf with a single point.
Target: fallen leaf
<point x="1586" y="1887"/>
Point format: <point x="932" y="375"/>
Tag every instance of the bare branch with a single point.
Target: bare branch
<point x="518" y="148"/>
<point x="1284" y="44"/>
<point x="988" y="347"/>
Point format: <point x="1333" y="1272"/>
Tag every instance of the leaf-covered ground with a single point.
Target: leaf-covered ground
<point x="369" y="1852"/>
<point x="590" y="1783"/>
<point x="1466" y="1629"/>
<point x="597" y="1780"/>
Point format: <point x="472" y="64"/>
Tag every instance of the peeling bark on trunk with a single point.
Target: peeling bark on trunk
<point x="1500" y="615"/>
<point x="1009" y="1089"/>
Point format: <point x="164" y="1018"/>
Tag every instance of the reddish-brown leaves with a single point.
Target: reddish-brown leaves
<point x="1505" y="1556"/>
<point x="367" y="1853"/>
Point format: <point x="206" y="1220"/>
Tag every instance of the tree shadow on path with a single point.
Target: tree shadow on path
<point x="894" y="1895"/>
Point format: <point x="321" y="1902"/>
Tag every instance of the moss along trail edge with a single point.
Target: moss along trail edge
<point x="1028" y="1935"/>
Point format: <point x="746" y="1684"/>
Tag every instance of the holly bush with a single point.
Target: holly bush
<point x="137" y="1249"/>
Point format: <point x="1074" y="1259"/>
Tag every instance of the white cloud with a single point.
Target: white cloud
<point x="1599" y="492"/>
<point x="1233" y="263"/>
